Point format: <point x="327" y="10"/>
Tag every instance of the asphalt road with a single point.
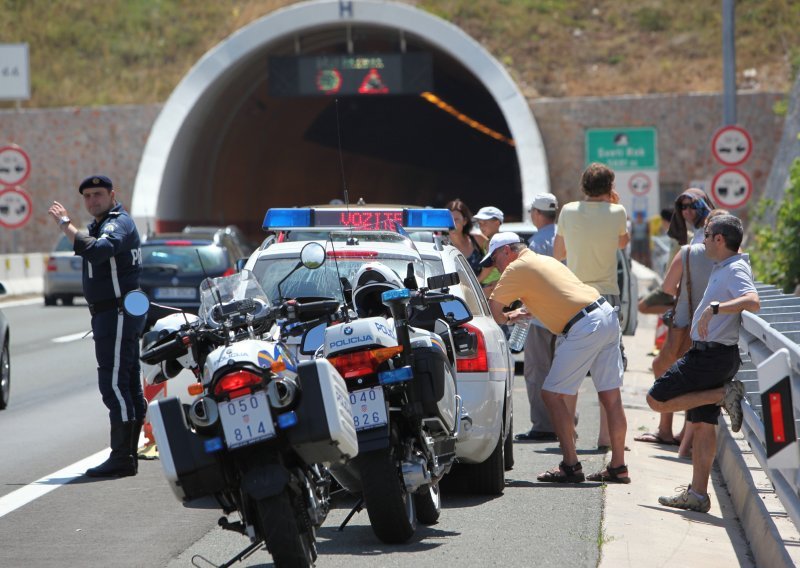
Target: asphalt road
<point x="56" y="418"/>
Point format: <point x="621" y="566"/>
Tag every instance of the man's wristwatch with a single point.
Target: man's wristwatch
<point x="64" y="221"/>
<point x="714" y="307"/>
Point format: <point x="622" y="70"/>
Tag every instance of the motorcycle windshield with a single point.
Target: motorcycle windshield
<point x="226" y="289"/>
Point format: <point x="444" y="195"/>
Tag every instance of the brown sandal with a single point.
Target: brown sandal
<point x="611" y="475"/>
<point x="563" y="474"/>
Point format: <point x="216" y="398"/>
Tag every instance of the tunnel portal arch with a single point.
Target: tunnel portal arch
<point x="192" y="168"/>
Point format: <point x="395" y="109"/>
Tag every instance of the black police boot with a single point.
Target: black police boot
<point x="120" y="463"/>
<point x="136" y="430"/>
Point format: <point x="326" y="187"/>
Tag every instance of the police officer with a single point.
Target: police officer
<point x="112" y="264"/>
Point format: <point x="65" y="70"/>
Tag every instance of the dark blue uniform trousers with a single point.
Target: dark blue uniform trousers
<point x="116" y="346"/>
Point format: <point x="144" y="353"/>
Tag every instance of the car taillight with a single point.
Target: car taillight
<point x="353" y="254"/>
<point x="229" y="272"/>
<point x="237" y="383"/>
<point x="479" y="362"/>
<point x="360" y="363"/>
<point x="52" y="266"/>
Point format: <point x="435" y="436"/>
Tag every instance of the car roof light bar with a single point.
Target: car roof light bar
<point x="360" y="218"/>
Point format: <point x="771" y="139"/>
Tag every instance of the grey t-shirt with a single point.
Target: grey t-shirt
<point x="729" y="279"/>
<point x="698" y="271"/>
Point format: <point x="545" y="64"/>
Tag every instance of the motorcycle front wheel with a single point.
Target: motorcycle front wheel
<point x="389" y="506"/>
<point x="287" y="533"/>
<point x="428" y="502"/>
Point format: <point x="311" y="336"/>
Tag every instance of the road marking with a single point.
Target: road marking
<point x="70" y="337"/>
<point x="45" y="485"/>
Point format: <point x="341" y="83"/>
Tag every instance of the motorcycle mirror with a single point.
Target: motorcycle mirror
<point x="136" y="303"/>
<point x="456" y="311"/>
<point x="312" y="339"/>
<point x="312" y="255"/>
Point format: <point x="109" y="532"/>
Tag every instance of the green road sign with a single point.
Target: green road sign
<point x="622" y="148"/>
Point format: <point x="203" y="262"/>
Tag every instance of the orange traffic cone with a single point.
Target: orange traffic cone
<point x="661" y="334"/>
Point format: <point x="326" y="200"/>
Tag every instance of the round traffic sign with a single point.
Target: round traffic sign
<point x="15" y="165"/>
<point x="731" y="145"/>
<point x="731" y="188"/>
<point x="640" y="184"/>
<point x="15" y="207"/>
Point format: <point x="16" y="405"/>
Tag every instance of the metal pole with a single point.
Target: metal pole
<point x="728" y="62"/>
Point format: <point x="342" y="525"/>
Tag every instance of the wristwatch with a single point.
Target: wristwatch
<point x="64" y="221"/>
<point x="714" y="307"/>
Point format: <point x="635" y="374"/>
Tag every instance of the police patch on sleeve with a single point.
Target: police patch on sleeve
<point x="109" y="228"/>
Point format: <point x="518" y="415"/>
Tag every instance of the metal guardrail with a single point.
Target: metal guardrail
<point x="774" y="332"/>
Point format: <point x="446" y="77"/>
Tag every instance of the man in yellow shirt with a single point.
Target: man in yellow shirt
<point x="588" y="340"/>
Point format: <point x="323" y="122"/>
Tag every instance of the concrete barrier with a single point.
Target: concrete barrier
<point x="23" y="274"/>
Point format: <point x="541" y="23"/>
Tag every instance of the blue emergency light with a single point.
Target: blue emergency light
<point x="395" y="376"/>
<point x="401" y="294"/>
<point x="359" y="218"/>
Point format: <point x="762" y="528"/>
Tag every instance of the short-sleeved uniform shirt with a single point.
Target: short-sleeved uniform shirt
<point x="591" y="231"/>
<point x="729" y="279"/>
<point x="549" y="290"/>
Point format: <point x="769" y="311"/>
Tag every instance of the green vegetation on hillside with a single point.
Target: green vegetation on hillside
<point x="96" y="52"/>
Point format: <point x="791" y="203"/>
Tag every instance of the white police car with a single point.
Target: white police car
<point x="358" y="234"/>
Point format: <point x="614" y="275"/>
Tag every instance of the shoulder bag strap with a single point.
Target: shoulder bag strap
<point x="689" y="282"/>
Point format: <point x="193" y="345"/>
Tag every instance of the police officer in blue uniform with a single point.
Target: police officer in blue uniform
<point x="112" y="264"/>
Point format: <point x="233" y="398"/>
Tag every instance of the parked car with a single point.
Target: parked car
<point x="62" y="276"/>
<point x="485" y="377"/>
<point x="174" y="265"/>
<point x="5" y="358"/>
<point x="231" y="231"/>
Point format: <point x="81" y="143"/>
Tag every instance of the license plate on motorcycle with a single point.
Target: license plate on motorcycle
<point x="246" y="420"/>
<point x="368" y="408"/>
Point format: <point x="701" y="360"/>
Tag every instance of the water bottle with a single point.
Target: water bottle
<point x="518" y="335"/>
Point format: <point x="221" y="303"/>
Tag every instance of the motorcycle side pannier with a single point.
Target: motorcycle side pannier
<point x="324" y="432"/>
<point x="431" y="373"/>
<point x="191" y="471"/>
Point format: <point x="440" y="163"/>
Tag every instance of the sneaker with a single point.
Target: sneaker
<point x="732" y="401"/>
<point x="688" y="501"/>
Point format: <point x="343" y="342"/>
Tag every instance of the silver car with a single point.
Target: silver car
<point x="63" y="274"/>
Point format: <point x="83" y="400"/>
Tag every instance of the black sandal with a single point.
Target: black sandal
<point x="563" y="474"/>
<point x="611" y="475"/>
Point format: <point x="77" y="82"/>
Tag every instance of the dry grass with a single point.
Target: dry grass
<point x="94" y="52"/>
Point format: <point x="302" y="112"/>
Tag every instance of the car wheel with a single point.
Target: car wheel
<point x="49" y="300"/>
<point x="67" y="300"/>
<point x="489" y="477"/>
<point x="5" y="376"/>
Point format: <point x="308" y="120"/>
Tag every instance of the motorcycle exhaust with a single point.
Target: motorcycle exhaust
<point x="281" y="393"/>
<point x="415" y="474"/>
<point x="204" y="413"/>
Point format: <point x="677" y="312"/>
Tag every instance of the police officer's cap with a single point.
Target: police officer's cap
<point x="96" y="181"/>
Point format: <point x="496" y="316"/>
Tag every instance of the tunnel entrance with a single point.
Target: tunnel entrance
<point x="225" y="152"/>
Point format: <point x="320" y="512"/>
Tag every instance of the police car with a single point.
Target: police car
<point x="359" y="234"/>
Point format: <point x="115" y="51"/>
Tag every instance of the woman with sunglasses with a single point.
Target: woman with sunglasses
<point x="691" y="209"/>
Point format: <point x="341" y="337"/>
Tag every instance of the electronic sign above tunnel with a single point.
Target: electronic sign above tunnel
<point x="351" y="75"/>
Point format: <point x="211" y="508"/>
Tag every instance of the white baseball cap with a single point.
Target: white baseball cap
<point x="545" y="202"/>
<point x="486" y="213"/>
<point x="498" y="241"/>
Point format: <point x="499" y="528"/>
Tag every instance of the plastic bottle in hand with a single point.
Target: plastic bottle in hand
<point x="519" y="334"/>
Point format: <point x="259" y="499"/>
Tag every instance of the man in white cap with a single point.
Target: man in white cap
<point x="540" y="343"/>
<point x="588" y="340"/>
<point x="489" y="220"/>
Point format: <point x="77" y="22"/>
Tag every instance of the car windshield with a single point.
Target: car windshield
<point x="186" y="258"/>
<point x="226" y="289"/>
<point x="63" y="244"/>
<point x="323" y="281"/>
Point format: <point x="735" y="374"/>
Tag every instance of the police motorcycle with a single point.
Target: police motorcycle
<point x="262" y="428"/>
<point x="398" y="362"/>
